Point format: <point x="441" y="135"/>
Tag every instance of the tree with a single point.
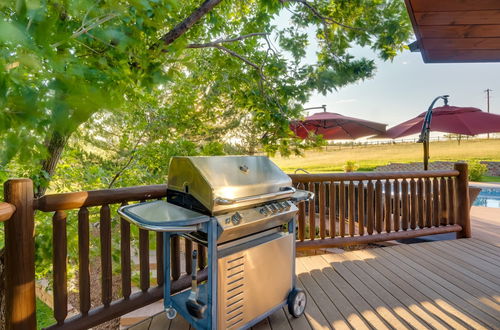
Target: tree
<point x="189" y="62"/>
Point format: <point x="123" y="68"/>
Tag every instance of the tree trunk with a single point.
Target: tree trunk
<point x="55" y="147"/>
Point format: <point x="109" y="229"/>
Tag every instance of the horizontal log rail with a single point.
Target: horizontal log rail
<point x="75" y="200"/>
<point x="364" y="176"/>
<point x="6" y="211"/>
<point x="383" y="237"/>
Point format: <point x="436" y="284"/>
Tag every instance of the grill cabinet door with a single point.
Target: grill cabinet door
<point x="254" y="280"/>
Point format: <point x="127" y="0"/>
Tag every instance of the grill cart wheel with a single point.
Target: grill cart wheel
<point x="171" y="313"/>
<point x="297" y="301"/>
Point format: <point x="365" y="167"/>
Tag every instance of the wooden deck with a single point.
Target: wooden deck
<point x="440" y="285"/>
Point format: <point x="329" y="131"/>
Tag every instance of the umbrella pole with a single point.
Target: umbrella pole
<point x="426" y="128"/>
<point x="426" y="154"/>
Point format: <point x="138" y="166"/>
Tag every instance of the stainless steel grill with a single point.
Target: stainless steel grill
<point x="241" y="208"/>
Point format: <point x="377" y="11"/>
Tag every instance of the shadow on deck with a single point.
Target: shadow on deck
<point x="440" y="285"/>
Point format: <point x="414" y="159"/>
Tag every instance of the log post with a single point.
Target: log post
<point x="463" y="210"/>
<point x="20" y="256"/>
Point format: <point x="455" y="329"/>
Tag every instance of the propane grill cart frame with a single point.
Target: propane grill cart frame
<point x="208" y="291"/>
<point x="176" y="303"/>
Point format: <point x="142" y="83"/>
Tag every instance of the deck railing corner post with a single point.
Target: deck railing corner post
<point x="463" y="207"/>
<point x="20" y="256"/>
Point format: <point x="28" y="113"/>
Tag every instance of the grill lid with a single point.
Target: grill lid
<point x="228" y="182"/>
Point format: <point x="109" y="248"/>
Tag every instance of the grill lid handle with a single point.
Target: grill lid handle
<point x="284" y="192"/>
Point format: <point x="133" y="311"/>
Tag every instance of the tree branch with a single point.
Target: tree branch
<point x="263" y="79"/>
<point x="232" y="53"/>
<point x="131" y="158"/>
<point x="186" y="24"/>
<point x="86" y="28"/>
<point x="325" y="19"/>
<point x="221" y="41"/>
<point x="241" y="57"/>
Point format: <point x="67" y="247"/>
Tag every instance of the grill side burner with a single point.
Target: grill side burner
<point x="241" y="209"/>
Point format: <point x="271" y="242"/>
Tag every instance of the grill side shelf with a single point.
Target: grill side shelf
<point x="162" y="216"/>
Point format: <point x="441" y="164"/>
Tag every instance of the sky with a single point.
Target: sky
<point x="405" y="87"/>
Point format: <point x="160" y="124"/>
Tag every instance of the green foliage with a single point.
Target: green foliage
<point x="44" y="315"/>
<point x="63" y="62"/>
<point x="476" y="170"/>
<point x="350" y="166"/>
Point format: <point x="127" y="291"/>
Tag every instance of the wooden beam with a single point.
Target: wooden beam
<point x="454" y="44"/>
<point x="458" y="17"/>
<point x="460" y="31"/>
<point x="453" y="5"/>
<point x="466" y="56"/>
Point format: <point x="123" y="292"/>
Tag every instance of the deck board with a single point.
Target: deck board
<point x="411" y="287"/>
<point x="448" y="289"/>
<point x="470" y="285"/>
<point x="384" y="294"/>
<point x="378" y="303"/>
<point x="493" y="250"/>
<point x="453" y="270"/>
<point x="476" y="317"/>
<point x="348" y="311"/>
<point x="481" y="269"/>
<point x="437" y="285"/>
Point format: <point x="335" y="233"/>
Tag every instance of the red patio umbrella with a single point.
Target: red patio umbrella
<point x="449" y="119"/>
<point x="334" y="126"/>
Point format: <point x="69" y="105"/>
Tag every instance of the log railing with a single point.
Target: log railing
<point x="20" y="242"/>
<point x="360" y="208"/>
<point x="6" y="211"/>
<point x="351" y="208"/>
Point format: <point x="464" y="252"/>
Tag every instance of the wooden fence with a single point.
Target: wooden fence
<point x="350" y="208"/>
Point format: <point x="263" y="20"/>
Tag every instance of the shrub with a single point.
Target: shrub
<point x="350" y="166"/>
<point x="476" y="170"/>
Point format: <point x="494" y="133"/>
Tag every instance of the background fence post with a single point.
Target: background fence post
<point x="20" y="256"/>
<point x="463" y="207"/>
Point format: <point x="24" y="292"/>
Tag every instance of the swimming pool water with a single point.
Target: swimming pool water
<point x="489" y="197"/>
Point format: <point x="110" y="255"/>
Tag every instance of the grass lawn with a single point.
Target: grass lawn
<point x="487" y="178"/>
<point x="44" y="315"/>
<point x="369" y="157"/>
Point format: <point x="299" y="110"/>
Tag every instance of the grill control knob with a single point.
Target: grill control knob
<point x="280" y="207"/>
<point x="273" y="208"/>
<point x="286" y="205"/>
<point x="236" y="218"/>
<point x="264" y="210"/>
